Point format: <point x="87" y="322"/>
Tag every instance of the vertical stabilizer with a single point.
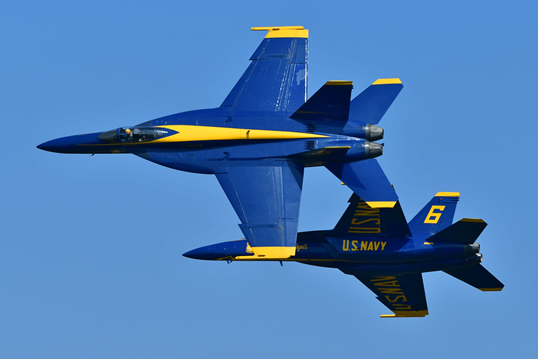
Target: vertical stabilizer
<point x="371" y="104"/>
<point x="361" y="220"/>
<point x="367" y="179"/>
<point x="437" y="215"/>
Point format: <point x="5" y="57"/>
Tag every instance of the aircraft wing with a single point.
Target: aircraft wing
<point x="276" y="78"/>
<point x="266" y="197"/>
<point x="403" y="294"/>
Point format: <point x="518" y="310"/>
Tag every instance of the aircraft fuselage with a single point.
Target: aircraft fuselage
<point x="202" y="141"/>
<point x="371" y="255"/>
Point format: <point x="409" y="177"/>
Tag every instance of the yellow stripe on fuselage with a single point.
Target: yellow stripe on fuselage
<point x="188" y="133"/>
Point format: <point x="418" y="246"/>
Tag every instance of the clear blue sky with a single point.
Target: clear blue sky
<point x="90" y="250"/>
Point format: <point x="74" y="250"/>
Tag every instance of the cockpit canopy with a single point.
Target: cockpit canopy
<point x="134" y="134"/>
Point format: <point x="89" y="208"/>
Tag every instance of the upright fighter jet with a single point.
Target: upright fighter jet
<point x="261" y="138"/>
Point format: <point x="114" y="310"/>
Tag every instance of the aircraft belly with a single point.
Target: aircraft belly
<point x="188" y="161"/>
<point x="206" y="157"/>
<point x="378" y="269"/>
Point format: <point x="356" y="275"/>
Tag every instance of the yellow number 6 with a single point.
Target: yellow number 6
<point x="433" y="217"/>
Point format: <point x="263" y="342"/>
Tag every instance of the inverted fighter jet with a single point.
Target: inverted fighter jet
<point x="259" y="141"/>
<point x="384" y="252"/>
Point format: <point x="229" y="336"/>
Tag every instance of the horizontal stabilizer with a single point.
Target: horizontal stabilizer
<point x="360" y="220"/>
<point x="465" y="231"/>
<point x="367" y="180"/>
<point x="371" y="104"/>
<point x="329" y="103"/>
<point x="478" y="277"/>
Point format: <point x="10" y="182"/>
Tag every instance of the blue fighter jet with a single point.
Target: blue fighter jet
<point x="384" y="252"/>
<point x="259" y="141"/>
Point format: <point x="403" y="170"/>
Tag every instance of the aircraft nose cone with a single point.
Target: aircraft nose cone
<point x="220" y="251"/>
<point x="192" y="254"/>
<point x="73" y="144"/>
<point x="57" y="145"/>
<point x="199" y="253"/>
